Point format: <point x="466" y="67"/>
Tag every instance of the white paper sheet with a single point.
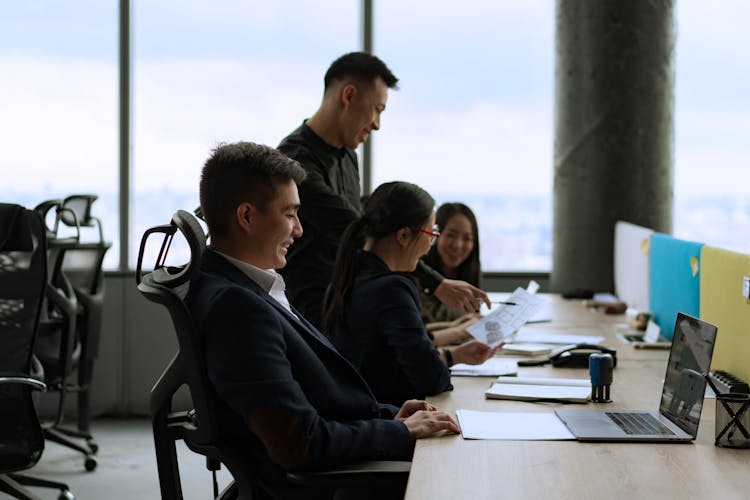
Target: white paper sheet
<point x="513" y="426"/>
<point x="544" y="315"/>
<point x="493" y="367"/>
<point x="503" y="320"/>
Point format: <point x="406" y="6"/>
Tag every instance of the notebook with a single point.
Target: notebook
<point x="681" y="399"/>
<point x="540" y="389"/>
<point x="525" y="349"/>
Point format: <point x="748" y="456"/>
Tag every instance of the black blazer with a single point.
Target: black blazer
<point x="382" y="334"/>
<point x="258" y="355"/>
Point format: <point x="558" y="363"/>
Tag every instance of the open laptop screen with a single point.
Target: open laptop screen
<point x="684" y="382"/>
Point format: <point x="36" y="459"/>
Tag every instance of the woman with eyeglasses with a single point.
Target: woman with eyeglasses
<point x="455" y="256"/>
<point x="371" y="311"/>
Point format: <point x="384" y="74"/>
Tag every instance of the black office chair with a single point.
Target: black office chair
<point x="23" y="270"/>
<point x="49" y="211"/>
<point x="71" y="324"/>
<point x="198" y="427"/>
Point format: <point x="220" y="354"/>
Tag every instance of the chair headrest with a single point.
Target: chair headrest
<point x="44" y="207"/>
<point x="9" y="215"/>
<point x="78" y="211"/>
<point x="193" y="233"/>
<point x="19" y="228"/>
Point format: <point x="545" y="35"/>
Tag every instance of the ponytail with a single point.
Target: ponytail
<point x="391" y="206"/>
<point x="344" y="273"/>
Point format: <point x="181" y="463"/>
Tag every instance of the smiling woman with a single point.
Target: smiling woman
<point x="455" y="256"/>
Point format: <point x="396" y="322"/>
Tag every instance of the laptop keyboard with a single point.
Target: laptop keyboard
<point x="639" y="423"/>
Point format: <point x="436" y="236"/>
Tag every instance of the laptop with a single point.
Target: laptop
<point x="681" y="397"/>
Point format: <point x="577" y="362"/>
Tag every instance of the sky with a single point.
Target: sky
<point x="475" y="81"/>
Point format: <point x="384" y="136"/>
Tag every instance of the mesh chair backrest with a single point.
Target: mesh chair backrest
<point x="23" y="267"/>
<point x="168" y="286"/>
<point x="44" y="209"/>
<point x="79" y="210"/>
<point x="82" y="264"/>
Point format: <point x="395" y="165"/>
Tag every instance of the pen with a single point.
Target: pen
<point x="504" y="302"/>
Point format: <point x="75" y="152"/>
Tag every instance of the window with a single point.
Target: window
<point x="222" y="71"/>
<point x="712" y="124"/>
<point x="58" y="62"/>
<point x="472" y="119"/>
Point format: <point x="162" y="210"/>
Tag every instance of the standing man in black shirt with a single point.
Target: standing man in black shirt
<point x="355" y="94"/>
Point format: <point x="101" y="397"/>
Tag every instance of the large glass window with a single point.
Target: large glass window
<point x="472" y="120"/>
<point x="58" y="105"/>
<point x="712" y="124"/>
<point x="222" y="71"/>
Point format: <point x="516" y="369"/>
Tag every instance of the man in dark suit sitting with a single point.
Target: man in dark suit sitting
<point x="296" y="403"/>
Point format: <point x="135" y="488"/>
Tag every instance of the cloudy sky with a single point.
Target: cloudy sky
<point x="473" y="73"/>
<point x="476" y="91"/>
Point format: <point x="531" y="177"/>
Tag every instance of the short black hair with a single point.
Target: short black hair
<point x="359" y="66"/>
<point x="240" y="172"/>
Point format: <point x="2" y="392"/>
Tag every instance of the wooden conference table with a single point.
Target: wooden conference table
<point x="450" y="467"/>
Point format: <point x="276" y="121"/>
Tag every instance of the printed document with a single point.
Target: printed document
<point x="504" y="319"/>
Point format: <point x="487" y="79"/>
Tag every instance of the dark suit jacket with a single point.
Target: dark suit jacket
<point x="258" y="355"/>
<point x="382" y="334"/>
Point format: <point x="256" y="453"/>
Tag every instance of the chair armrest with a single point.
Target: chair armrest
<point x="34" y="383"/>
<point x="358" y="474"/>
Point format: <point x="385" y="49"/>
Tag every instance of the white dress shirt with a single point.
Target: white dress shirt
<point x="268" y="279"/>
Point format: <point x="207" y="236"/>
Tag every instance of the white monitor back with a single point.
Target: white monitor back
<point x="632" y="257"/>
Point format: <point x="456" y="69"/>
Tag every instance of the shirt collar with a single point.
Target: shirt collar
<point x="320" y="144"/>
<point x="267" y="279"/>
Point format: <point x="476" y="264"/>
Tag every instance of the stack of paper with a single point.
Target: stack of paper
<point x="493" y="367"/>
<point x="526" y="349"/>
<point x="540" y="389"/>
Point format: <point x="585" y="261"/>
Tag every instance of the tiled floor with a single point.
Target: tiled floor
<point x="126" y="466"/>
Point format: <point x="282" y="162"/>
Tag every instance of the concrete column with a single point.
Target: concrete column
<point x="613" y="152"/>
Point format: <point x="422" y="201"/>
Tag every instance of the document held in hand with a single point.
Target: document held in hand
<point x="504" y="319"/>
<point x="541" y="389"/>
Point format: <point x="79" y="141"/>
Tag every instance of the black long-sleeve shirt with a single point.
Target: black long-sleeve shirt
<point x="330" y="197"/>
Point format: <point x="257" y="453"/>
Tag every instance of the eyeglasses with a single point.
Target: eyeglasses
<point x="432" y="234"/>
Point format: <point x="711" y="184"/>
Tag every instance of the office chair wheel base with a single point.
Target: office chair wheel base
<point x="92" y="446"/>
<point x="66" y="495"/>
<point x="90" y="463"/>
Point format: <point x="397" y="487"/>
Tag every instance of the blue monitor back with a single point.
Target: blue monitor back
<point x="674" y="280"/>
